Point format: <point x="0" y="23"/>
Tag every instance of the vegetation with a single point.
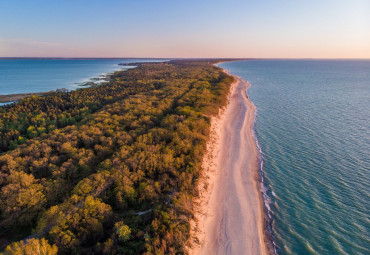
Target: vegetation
<point x="31" y="247"/>
<point x="110" y="169"/>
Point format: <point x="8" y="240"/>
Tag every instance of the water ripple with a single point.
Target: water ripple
<point x="313" y="126"/>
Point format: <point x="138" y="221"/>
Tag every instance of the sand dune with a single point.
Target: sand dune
<point x="229" y="211"/>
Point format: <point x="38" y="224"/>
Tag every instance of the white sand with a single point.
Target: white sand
<point x="229" y="211"/>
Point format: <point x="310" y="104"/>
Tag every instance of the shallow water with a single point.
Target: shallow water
<point x="313" y="126"/>
<point x="42" y="75"/>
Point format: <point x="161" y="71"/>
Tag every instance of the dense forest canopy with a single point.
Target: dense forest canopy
<point x="110" y="169"/>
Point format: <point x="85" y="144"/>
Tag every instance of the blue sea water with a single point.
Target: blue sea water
<point x="313" y="126"/>
<point x="41" y="75"/>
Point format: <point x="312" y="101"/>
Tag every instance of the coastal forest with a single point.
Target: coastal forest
<point x="110" y="169"/>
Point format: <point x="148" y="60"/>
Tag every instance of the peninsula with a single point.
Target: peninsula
<point x="125" y="166"/>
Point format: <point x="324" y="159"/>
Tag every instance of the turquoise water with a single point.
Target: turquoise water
<point x="313" y="126"/>
<point x="41" y="75"/>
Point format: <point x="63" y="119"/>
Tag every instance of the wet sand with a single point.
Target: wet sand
<point x="229" y="214"/>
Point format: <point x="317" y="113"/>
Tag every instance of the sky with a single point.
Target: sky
<point x="184" y="29"/>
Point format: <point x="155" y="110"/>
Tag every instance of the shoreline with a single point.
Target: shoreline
<point x="93" y="81"/>
<point x="12" y="98"/>
<point x="229" y="186"/>
<point x="265" y="198"/>
<point x="98" y="80"/>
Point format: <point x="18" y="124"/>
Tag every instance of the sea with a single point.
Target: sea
<point x="42" y="75"/>
<point x="313" y="128"/>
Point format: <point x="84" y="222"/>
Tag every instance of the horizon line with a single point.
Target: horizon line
<point x="184" y="58"/>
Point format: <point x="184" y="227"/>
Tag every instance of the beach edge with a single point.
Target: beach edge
<point x="209" y="174"/>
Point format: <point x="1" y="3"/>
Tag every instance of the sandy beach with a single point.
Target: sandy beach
<point x="229" y="211"/>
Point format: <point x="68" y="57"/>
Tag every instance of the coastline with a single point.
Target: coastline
<point x="99" y="80"/>
<point x="16" y="97"/>
<point x="229" y="213"/>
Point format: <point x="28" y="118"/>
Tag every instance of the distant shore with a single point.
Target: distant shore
<point x="16" y="97"/>
<point x="16" y="86"/>
<point x="95" y="81"/>
<point x="229" y="214"/>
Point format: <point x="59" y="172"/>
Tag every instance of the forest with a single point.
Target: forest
<point x="110" y="169"/>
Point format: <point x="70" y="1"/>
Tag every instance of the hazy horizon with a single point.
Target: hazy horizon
<point x="184" y="58"/>
<point x="171" y="29"/>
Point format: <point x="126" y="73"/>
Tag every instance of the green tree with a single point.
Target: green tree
<point x="31" y="132"/>
<point x="123" y="231"/>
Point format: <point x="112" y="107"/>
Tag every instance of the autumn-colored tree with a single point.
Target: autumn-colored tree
<point x="21" y="199"/>
<point x="75" y="221"/>
<point x="123" y="231"/>
<point x="81" y="163"/>
<point x="31" y="247"/>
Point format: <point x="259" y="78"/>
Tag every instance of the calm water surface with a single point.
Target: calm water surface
<point x="313" y="125"/>
<point x="41" y="75"/>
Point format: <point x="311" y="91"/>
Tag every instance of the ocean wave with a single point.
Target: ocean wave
<point x="267" y="201"/>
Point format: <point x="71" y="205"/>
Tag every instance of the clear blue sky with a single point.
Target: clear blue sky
<point x="188" y="28"/>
